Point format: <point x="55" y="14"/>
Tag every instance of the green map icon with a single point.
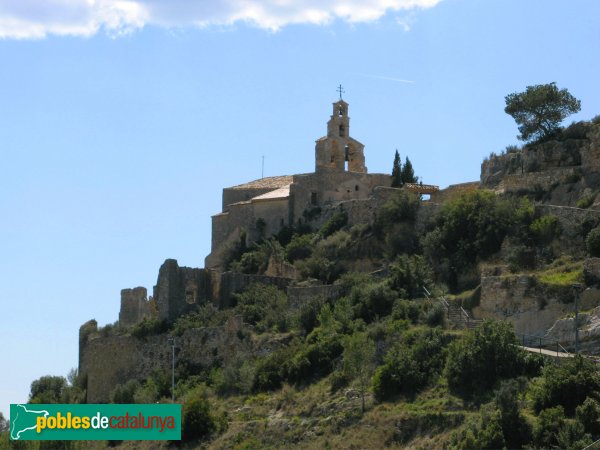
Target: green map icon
<point x="23" y="419"/>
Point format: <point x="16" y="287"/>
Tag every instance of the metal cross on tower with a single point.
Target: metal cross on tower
<point x="340" y="89"/>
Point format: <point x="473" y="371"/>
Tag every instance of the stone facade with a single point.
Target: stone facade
<point x="135" y="306"/>
<point x="263" y="207"/>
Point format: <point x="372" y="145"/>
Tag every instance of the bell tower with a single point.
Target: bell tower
<point x="337" y="151"/>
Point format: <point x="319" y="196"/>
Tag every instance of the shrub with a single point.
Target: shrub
<point x="198" y="419"/>
<point x="567" y="385"/>
<point x="336" y="222"/>
<point x="408" y="368"/>
<point x="545" y="431"/>
<point x="264" y="306"/>
<point x="588" y="413"/>
<point x="408" y="275"/>
<point x="592" y="242"/>
<point x="586" y="201"/>
<point x="124" y="393"/>
<point x="545" y="229"/>
<point x="149" y="327"/>
<point x="300" y="247"/>
<point x="309" y="311"/>
<point x="482" y="357"/>
<point x="372" y="300"/>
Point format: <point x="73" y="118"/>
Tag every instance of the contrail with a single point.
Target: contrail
<point x="381" y="77"/>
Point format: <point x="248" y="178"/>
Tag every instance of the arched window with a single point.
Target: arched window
<point x="342" y="130"/>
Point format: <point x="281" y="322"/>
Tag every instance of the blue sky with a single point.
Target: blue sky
<point x="121" y="121"/>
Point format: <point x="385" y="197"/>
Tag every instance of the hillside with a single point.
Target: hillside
<point x="399" y="331"/>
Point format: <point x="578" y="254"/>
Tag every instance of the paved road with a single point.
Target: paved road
<point x="543" y="351"/>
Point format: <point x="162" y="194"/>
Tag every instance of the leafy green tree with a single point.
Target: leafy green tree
<point x="264" y="306"/>
<point x="358" y="359"/>
<point x="125" y="393"/>
<point x="567" y="385"/>
<point x="397" y="171"/>
<point x="481" y="358"/>
<point x="47" y="389"/>
<point x="468" y="229"/>
<point x="3" y="423"/>
<point x="540" y="110"/>
<point x="408" y="173"/>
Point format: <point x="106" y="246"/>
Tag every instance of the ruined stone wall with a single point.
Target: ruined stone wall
<point x="109" y="361"/>
<point x="179" y="290"/>
<point x="299" y="295"/>
<point x="547" y="165"/>
<point x="135" y="306"/>
<point x="454" y="191"/>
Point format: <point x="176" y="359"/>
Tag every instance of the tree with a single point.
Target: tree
<point x="47" y="389"/>
<point x="540" y="109"/>
<point x="408" y="173"/>
<point x="482" y="357"/>
<point x="397" y="171"/>
<point x="3" y="423"/>
<point x="358" y="356"/>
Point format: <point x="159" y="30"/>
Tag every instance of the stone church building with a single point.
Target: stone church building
<point x="263" y="207"/>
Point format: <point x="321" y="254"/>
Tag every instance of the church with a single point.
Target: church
<point x="261" y="208"/>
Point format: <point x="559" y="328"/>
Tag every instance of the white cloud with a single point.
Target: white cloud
<point x="34" y="19"/>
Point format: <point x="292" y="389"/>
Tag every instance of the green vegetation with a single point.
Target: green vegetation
<point x="540" y="110"/>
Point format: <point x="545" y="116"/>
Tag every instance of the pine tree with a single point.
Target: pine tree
<point x="408" y="174"/>
<point x="397" y="171"/>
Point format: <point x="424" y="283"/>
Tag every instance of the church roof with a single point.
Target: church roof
<point x="282" y="192"/>
<point x="266" y="183"/>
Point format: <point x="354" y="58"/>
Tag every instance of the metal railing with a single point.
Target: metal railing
<point x="533" y="341"/>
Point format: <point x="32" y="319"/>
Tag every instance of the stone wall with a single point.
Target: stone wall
<point x="179" y="290"/>
<point x="299" y="295"/>
<point x="453" y="191"/>
<point x="135" y="306"/>
<point x="109" y="361"/>
<point x="520" y="299"/>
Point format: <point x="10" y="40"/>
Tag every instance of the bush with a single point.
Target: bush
<point x="335" y="223"/>
<point x="371" y="301"/>
<point x="124" y="393"/>
<point x="482" y="357"/>
<point x="410" y="366"/>
<point x="586" y="201"/>
<point x="567" y="385"/>
<point x="264" y="306"/>
<point x="550" y="422"/>
<point x="592" y="242"/>
<point x="198" y="420"/>
<point x="408" y="275"/>
<point x="300" y="247"/>
<point x="588" y="413"/>
<point x="545" y="229"/>
<point x="149" y="327"/>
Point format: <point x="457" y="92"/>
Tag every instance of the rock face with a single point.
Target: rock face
<point x="532" y="308"/>
<point x="558" y="172"/>
<point x="591" y="271"/>
<point x="563" y="329"/>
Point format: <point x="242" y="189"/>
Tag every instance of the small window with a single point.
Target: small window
<point x="342" y="130"/>
<point x="332" y="158"/>
<point x="313" y="198"/>
<point x="356" y="187"/>
<point x="340" y="111"/>
<point x="346" y="153"/>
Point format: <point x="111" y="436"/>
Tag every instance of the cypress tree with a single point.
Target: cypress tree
<point x="397" y="171"/>
<point x="408" y="174"/>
